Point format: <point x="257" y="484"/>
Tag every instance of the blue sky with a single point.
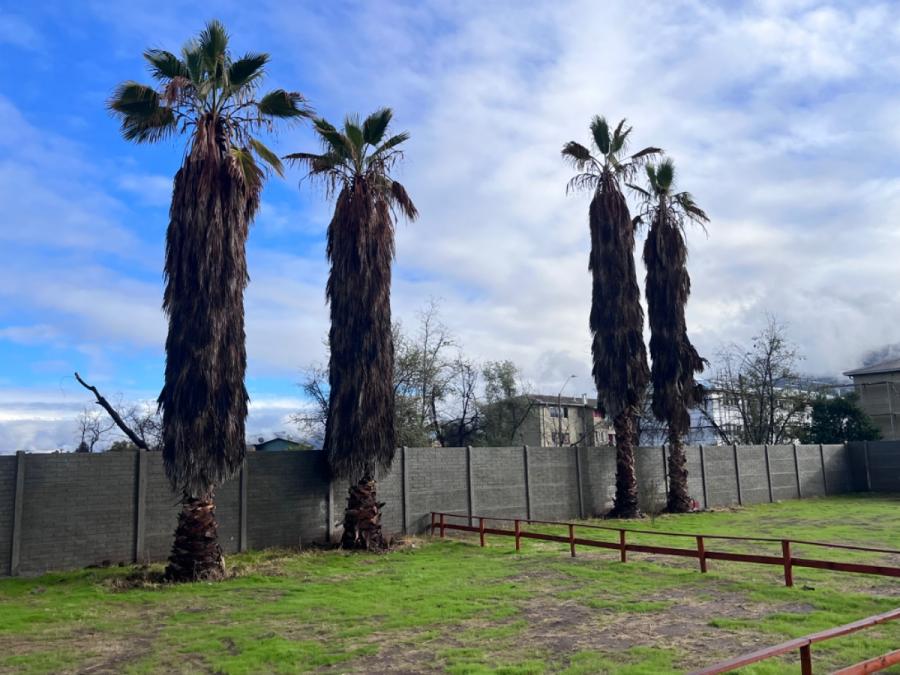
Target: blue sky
<point x="781" y="117"/>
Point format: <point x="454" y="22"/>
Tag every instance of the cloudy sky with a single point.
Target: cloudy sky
<point x="782" y="117"/>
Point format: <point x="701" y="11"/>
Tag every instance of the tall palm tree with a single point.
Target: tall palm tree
<point x="617" y="319"/>
<point x="668" y="287"/>
<point x="212" y="98"/>
<point x="355" y="163"/>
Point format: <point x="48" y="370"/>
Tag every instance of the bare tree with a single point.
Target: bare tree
<point x="761" y="396"/>
<point x="92" y="428"/>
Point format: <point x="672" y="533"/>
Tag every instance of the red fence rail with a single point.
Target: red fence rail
<point x="440" y="521"/>
<point x="804" y="644"/>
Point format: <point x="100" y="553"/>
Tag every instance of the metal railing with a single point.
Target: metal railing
<point x="439" y="521"/>
<point x="804" y="644"/>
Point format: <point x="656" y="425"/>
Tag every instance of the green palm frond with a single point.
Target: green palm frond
<point x="213" y="45"/>
<point x="247" y="70"/>
<point x="334" y="139"/>
<point x="600" y="132"/>
<point x="577" y="154"/>
<point x="165" y="65"/>
<point x="354" y="134"/>
<point x="267" y="156"/>
<point x="247" y="166"/>
<point x="143" y="118"/>
<point x="391" y="143"/>
<point x="691" y="210"/>
<point x="619" y="138"/>
<point x="665" y="175"/>
<point x="641" y="191"/>
<point x="284" y="104"/>
<point x="376" y="124"/>
<point x="193" y="62"/>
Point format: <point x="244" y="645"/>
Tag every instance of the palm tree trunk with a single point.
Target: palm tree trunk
<point x="678" y="500"/>
<point x="196" y="554"/>
<point x="626" y="501"/>
<point x="362" y="519"/>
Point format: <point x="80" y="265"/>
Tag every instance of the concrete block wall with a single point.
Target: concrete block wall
<point x="77" y="510"/>
<point x="876" y="465"/>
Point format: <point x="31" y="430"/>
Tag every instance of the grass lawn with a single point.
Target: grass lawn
<point x="451" y="606"/>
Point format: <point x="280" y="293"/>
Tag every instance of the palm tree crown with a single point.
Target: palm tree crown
<point x="206" y="83"/>
<point x="359" y="152"/>
<point x="610" y="159"/>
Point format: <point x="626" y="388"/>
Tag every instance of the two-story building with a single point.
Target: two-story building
<point x="878" y="387"/>
<point x="556" y="421"/>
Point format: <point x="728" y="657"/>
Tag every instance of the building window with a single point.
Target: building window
<point x="559" y="412"/>
<point x="560" y="439"/>
<point x="612" y="440"/>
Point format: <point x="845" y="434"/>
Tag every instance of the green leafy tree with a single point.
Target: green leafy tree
<point x="840" y="420"/>
<point x="211" y="98"/>
<point x="355" y="163"/>
<point x="668" y="287"/>
<point x="617" y="320"/>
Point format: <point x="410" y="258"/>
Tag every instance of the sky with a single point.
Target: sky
<point x="781" y="117"/>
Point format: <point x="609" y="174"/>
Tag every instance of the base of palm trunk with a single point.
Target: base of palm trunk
<point x="626" y="500"/>
<point x="677" y="499"/>
<point x="196" y="554"/>
<point x="362" y="519"/>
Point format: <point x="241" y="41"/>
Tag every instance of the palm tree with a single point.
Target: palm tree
<point x="617" y="319"/>
<point x="355" y="163"/>
<point x="668" y="287"/>
<point x="211" y="97"/>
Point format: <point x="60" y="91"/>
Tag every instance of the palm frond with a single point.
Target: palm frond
<point x="376" y="125"/>
<point x="646" y="152"/>
<point x="316" y="163"/>
<point x="247" y="167"/>
<point x="247" y="70"/>
<point x="578" y="155"/>
<point x="354" y="134"/>
<point x="284" y="104"/>
<point x="641" y="191"/>
<point x="334" y="139"/>
<point x="213" y="45"/>
<point x="583" y="182"/>
<point x="686" y="201"/>
<point x="665" y="175"/>
<point x="143" y="118"/>
<point x="600" y="132"/>
<point x="267" y="156"/>
<point x="619" y="137"/>
<point x="391" y="143"/>
<point x="165" y="65"/>
<point x="193" y="61"/>
<point x="400" y="198"/>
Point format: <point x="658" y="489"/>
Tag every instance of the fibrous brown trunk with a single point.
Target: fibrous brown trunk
<point x="196" y="554"/>
<point x="626" y="501"/>
<point x="678" y="500"/>
<point x="362" y="519"/>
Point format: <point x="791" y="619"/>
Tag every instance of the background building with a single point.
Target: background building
<point x="553" y="421"/>
<point x="879" y="395"/>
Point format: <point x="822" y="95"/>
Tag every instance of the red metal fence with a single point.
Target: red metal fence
<point x="440" y="522"/>
<point x="803" y="645"/>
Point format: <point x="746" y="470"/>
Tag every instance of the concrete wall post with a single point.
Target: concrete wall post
<point x="703" y="477"/>
<point x="140" y="506"/>
<point x="768" y="472"/>
<point x="527" y="482"/>
<point x="470" y="484"/>
<point x="404" y="487"/>
<point x="15" y="555"/>
<point x="578" y="481"/>
<point x="737" y="474"/>
<point x="797" y="472"/>
<point x="243" y="544"/>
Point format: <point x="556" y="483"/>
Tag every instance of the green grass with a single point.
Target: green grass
<point x="451" y="606"/>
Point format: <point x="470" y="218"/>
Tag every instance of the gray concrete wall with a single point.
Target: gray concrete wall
<point x="79" y="510"/>
<point x="876" y="465"/>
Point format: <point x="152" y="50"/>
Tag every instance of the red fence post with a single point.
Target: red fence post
<point x="518" y="533"/>
<point x="481" y="530"/>
<point x="788" y="567"/>
<point x="622" y="554"/>
<point x="442" y="526"/>
<point x="572" y="539"/>
<point x="805" y="660"/>
<point x="701" y="553"/>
